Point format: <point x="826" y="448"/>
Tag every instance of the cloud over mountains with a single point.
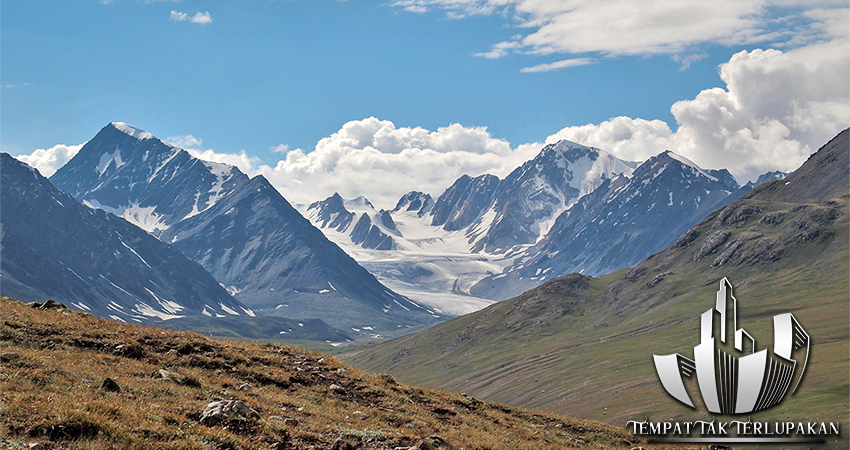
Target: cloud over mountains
<point x="776" y="105"/>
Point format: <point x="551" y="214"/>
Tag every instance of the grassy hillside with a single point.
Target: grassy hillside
<point x="53" y="394"/>
<point x="583" y="346"/>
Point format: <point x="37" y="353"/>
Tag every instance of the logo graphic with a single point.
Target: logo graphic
<point x="737" y="380"/>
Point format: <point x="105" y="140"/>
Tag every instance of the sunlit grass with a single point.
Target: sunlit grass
<point x="53" y="363"/>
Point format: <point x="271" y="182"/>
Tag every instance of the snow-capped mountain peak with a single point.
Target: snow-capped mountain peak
<point x="416" y="202"/>
<point x="372" y="229"/>
<point x="359" y="204"/>
<point x="132" y="131"/>
<point x="529" y="199"/>
<point x="689" y="163"/>
<point x="241" y="230"/>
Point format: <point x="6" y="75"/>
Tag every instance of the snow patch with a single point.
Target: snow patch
<point x="228" y="310"/>
<point x="167" y="305"/>
<point x="145" y="218"/>
<point x="75" y="274"/>
<point x="690" y="163"/>
<point x="146" y="310"/>
<point x="134" y="252"/>
<point x="107" y="158"/>
<point x="232" y="290"/>
<point x="132" y="131"/>
<point x="81" y="305"/>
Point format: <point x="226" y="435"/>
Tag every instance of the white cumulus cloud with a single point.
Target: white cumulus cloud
<point x="246" y="163"/>
<point x="574" y="62"/>
<point x="775" y="110"/>
<point x="626" y="27"/>
<point x="186" y="141"/>
<point x="177" y="16"/>
<point x="48" y="161"/>
<point x="202" y="18"/>
<point x="375" y="158"/>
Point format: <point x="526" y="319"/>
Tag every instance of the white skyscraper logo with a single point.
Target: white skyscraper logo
<point x="729" y="383"/>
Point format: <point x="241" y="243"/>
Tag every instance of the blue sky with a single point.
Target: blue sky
<point x="235" y="80"/>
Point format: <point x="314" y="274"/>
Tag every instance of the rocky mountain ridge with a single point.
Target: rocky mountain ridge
<point x="240" y="229"/>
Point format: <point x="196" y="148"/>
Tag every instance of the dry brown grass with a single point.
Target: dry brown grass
<point x="53" y="362"/>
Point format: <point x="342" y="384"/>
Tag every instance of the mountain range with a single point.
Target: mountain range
<point x="240" y="229"/>
<point x="55" y="248"/>
<point x="584" y="344"/>
<point x="377" y="272"/>
<point x="570" y="208"/>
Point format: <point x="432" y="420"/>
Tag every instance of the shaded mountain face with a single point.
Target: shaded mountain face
<point x="331" y="213"/>
<point x="569" y="208"/>
<point x="53" y="247"/>
<point x="534" y="194"/>
<point x="767" y="176"/>
<point x="465" y="201"/>
<point x="584" y="345"/>
<point x="619" y="224"/>
<point x="499" y="215"/>
<point x="364" y="226"/>
<point x="241" y="230"/>
<point x="415" y="201"/>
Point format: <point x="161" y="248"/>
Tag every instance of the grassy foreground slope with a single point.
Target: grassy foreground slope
<point x="583" y="346"/>
<point x="53" y="366"/>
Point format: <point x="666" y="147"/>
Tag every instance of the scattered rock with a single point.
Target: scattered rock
<point x="168" y="375"/>
<point x="360" y="415"/>
<point x="50" y="304"/>
<point x="131" y="350"/>
<point x="337" y="389"/>
<point x="432" y="442"/>
<point x="347" y="442"/>
<point x="774" y="218"/>
<point x="658" y="278"/>
<point x="218" y="412"/>
<point x="286" y="421"/>
<point x="635" y="274"/>
<point x="341" y="371"/>
<point x="245" y="386"/>
<point x="320" y="361"/>
<point x="711" y="243"/>
<point x="686" y="238"/>
<point x="110" y="385"/>
<point x="824" y="216"/>
<point x="735" y="216"/>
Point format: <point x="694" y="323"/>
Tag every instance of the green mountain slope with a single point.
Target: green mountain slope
<point x="583" y="346"/>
